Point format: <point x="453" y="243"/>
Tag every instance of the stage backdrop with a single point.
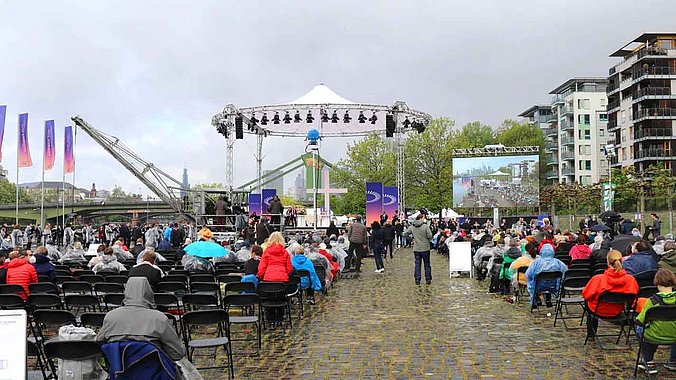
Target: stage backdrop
<point x="374" y="202"/>
<point x="267" y="195"/>
<point x="390" y="201"/>
<point x="254" y="204"/>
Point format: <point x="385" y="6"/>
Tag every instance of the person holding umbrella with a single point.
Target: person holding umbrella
<point x="198" y="253"/>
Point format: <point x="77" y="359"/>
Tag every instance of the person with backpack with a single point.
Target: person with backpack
<point x="356" y="235"/>
<point x="658" y="331"/>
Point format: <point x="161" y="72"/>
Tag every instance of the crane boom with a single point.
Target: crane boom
<point x="158" y="181"/>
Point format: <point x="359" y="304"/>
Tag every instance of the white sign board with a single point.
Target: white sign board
<point x="91" y="252"/>
<point x="460" y="257"/>
<point x="13" y="347"/>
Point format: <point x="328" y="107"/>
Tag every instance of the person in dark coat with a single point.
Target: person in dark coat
<point x="43" y="265"/>
<point x="377" y="242"/>
<point x="177" y="235"/>
<point x="262" y="231"/>
<point x="388" y="239"/>
<point x="125" y="234"/>
<point x="276" y="209"/>
<point x="148" y="269"/>
<point x="626" y="227"/>
<point x="332" y="230"/>
<point x="251" y="265"/>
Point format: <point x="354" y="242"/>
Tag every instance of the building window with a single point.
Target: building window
<point x="584" y="118"/>
<point x="624" y="134"/>
<point x="585" y="149"/>
<point x="623" y="116"/>
<point x="587" y="134"/>
<point x="583" y="104"/>
<point x="602" y="132"/>
<point x="585" y="164"/>
<point x="585" y="180"/>
<point x="603" y="102"/>
<point x="603" y="117"/>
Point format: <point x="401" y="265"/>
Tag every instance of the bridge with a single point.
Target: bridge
<point x="87" y="209"/>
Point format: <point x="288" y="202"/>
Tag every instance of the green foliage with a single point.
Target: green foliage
<point x="8" y="193"/>
<point x="204" y="186"/>
<point x="118" y="194"/>
<point x="475" y="135"/>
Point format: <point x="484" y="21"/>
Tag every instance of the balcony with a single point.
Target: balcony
<point x="567" y="125"/>
<point x="653" y="73"/>
<point x="552" y="145"/>
<point x="568" y="171"/>
<point x="568" y="156"/>
<point x="612" y="87"/>
<point x="558" y="99"/>
<point x="552" y="160"/>
<point x="652" y="93"/>
<point x="549" y="132"/>
<point x="567" y="140"/>
<point x="653" y="154"/>
<point x="654" y="51"/>
<point x="641" y="134"/>
<point x="567" y="110"/>
<point x="612" y="124"/>
<point x="655" y="113"/>
<point x="613" y="106"/>
<point x="552" y="175"/>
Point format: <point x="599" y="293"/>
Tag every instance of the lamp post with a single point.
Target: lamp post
<point x="313" y="138"/>
<point x="609" y="150"/>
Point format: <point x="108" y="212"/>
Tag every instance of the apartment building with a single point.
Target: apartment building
<point x="577" y="132"/>
<point x="539" y="114"/>
<point x="642" y="102"/>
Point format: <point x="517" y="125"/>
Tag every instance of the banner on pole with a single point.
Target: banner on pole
<point x="68" y="158"/>
<point x="390" y="201"/>
<point x="608" y="195"/>
<point x="312" y="170"/>
<point x="50" y="153"/>
<point x="374" y="202"/>
<point x="24" y="152"/>
<point x="254" y="204"/>
<point x="266" y="198"/>
<point x="3" y="113"/>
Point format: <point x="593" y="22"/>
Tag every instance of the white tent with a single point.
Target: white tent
<point x="321" y="94"/>
<point x="499" y="173"/>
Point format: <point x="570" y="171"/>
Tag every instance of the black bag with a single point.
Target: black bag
<point x="3" y="276"/>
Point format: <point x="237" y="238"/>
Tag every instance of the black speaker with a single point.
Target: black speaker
<point x="389" y="126"/>
<point x="239" y="128"/>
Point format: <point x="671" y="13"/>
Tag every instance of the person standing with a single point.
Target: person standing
<point x="17" y="236"/>
<point x="125" y="234"/>
<point x="262" y="231"/>
<point x="276" y="209"/>
<point x="377" y="243"/>
<point x="421" y="247"/>
<point x="356" y="234"/>
<point x="655" y="228"/>
<point x="388" y="239"/>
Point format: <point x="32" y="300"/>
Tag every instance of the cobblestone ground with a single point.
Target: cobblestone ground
<point x="382" y="326"/>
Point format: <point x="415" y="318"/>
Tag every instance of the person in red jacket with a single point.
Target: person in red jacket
<point x="614" y="279"/>
<point x="581" y="250"/>
<point x="334" y="265"/>
<point x="21" y="272"/>
<point x="275" y="264"/>
<point x="547" y="240"/>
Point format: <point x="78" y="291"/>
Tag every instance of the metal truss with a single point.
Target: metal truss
<point x="496" y="150"/>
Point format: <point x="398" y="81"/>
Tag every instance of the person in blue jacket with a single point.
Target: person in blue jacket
<point x="299" y="262"/>
<point x="642" y="261"/>
<point x="43" y="265"/>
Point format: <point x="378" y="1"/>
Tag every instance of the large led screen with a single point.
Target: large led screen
<point x="504" y="181"/>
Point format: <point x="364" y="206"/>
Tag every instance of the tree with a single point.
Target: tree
<point x="118" y="194"/>
<point x="205" y="186"/>
<point x="663" y="183"/>
<point x="513" y="133"/>
<point x="475" y="135"/>
<point x="428" y="169"/>
<point x="369" y="160"/>
<point x="8" y="193"/>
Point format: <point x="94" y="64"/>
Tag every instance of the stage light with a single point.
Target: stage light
<point x="312" y="136"/>
<point x="389" y="125"/>
<point x="361" y="118"/>
<point x="325" y="117"/>
<point x="407" y="123"/>
<point x="252" y="120"/>
<point x="275" y="119"/>
<point x="287" y="118"/>
<point x="346" y="117"/>
<point x="418" y="126"/>
<point x="373" y="118"/>
<point x="239" y="127"/>
<point x="296" y="118"/>
<point x="309" y="118"/>
<point x="334" y="117"/>
<point x="264" y="119"/>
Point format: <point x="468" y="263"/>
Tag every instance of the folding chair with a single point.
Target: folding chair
<point x="45" y="319"/>
<point x="112" y="300"/>
<point x="177" y="287"/>
<point x="72" y="350"/>
<point x="576" y="266"/>
<point x="102" y="288"/>
<point x="577" y="272"/>
<point x="85" y="302"/>
<point x="661" y="313"/>
<point x="92" y="278"/>
<point x="239" y="287"/>
<point x="11" y="301"/>
<point x="623" y="318"/>
<point x="218" y="318"/>
<point x="228" y="278"/>
<point x="273" y="297"/>
<point x="565" y="259"/>
<point x="33" y="350"/>
<point x="44" y="301"/>
<point x="43" y="278"/>
<point x="43" y="288"/>
<point x="76" y="287"/>
<point x="544" y="276"/>
<point x="210" y="288"/>
<point x="598" y="271"/>
<point x="92" y="320"/>
<point x="12" y="289"/>
<point x="570" y="294"/>
<point x="169" y="301"/>
<point x="645" y="278"/>
<point x="321" y="273"/>
<point x="294" y="292"/>
<point x="117" y="279"/>
<point x="520" y="290"/>
<point x="192" y="302"/>
<point x="304" y="273"/>
<point x="249" y="305"/>
<point x="583" y="261"/>
<point x="646" y="292"/>
<point x="202" y="277"/>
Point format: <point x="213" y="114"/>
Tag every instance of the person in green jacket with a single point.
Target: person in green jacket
<point x="659" y="332"/>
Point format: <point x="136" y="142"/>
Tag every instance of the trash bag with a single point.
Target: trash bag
<point x="88" y="369"/>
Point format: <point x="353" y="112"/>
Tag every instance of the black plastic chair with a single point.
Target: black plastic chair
<point x="211" y="288"/>
<point x="112" y="300"/>
<point x="44" y="301"/>
<point x="93" y="320"/>
<point x="85" y="302"/>
<point x="661" y="313"/>
<point x="72" y="350"/>
<point x="117" y="279"/>
<point x="228" y="278"/>
<point x="570" y="294"/>
<point x="321" y="273"/>
<point x="192" y="302"/>
<point x="577" y="272"/>
<point x="76" y="287"/>
<point x="217" y="318"/>
<point x="177" y="287"/>
<point x="52" y="318"/>
<point x="11" y="302"/>
<point x="12" y="289"/>
<point x="202" y="277"/>
<point x="623" y="318"/>
<point x="646" y="292"/>
<point x="43" y="288"/>
<point x="250" y="313"/>
<point x="92" y="278"/>
<point x="544" y="276"/>
<point x="520" y="290"/>
<point x="33" y="350"/>
<point x="273" y="297"/>
<point x="239" y="287"/>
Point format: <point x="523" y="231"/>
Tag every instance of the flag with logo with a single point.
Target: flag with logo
<point x="68" y="158"/>
<point x="24" y="152"/>
<point x="50" y="153"/>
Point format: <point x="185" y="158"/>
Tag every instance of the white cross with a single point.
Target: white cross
<point x="327" y="190"/>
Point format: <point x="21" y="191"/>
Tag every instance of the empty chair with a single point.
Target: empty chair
<point x="72" y="350"/>
<point x="92" y="278"/>
<point x="172" y="287"/>
<point x="577" y="272"/>
<point x="48" y="320"/>
<point x="43" y="288"/>
<point x="199" y="301"/>
<point x="646" y="291"/>
<point x="217" y="336"/>
<point x="202" y="277"/>
<point x="112" y="300"/>
<point x="570" y="295"/>
<point x="249" y="309"/>
<point x="102" y="288"/>
<point x="13" y="289"/>
<point x="228" y="278"/>
<point x="11" y="301"/>
<point x="117" y="279"/>
<point x="93" y="320"/>
<point x="44" y="301"/>
<point x="274" y="302"/>
<point x="33" y="350"/>
<point x="211" y="288"/>
<point x="76" y="287"/>
<point x="87" y="302"/>
<point x="239" y="287"/>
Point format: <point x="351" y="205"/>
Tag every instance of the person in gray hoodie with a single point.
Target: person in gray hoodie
<point x="138" y="320"/>
<point x="422" y="235"/>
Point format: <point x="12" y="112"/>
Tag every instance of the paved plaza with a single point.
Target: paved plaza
<point x="381" y="326"/>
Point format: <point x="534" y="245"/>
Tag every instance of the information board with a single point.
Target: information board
<point x="460" y="257"/>
<point x="13" y="346"/>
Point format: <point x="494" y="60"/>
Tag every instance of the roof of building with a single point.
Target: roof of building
<point x="631" y="46"/>
<point x="48" y="185"/>
<point x="531" y="111"/>
<point x="580" y="80"/>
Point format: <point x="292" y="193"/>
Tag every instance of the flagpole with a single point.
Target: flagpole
<point x="42" y="192"/>
<point x="74" y="144"/>
<point x="18" y="151"/>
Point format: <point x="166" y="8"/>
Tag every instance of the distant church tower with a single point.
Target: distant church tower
<point x="185" y="183"/>
<point x="92" y="192"/>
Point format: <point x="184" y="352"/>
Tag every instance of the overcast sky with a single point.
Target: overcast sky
<point x="154" y="72"/>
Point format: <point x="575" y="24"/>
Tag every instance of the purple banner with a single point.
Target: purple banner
<point x="390" y="201"/>
<point x="374" y="202"/>
<point x="49" y="153"/>
<point x="3" y="113"/>
<point x="24" y="151"/>
<point x="68" y="157"/>
<point x="266" y="196"/>
<point x="254" y="204"/>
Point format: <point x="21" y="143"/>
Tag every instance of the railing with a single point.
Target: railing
<point x="567" y="140"/>
<point x="551" y="132"/>
<point x="551" y="145"/>
<point x="612" y="86"/>
<point x="568" y="155"/>
<point x="613" y="104"/>
<point x="655" y="112"/>
<point x="566" y="125"/>
<point x="639" y="73"/>
<point x="651" y="50"/>
<point x="612" y="123"/>
<point x="657" y="154"/>
<point x="558" y="99"/>
<point x="568" y="171"/>
<point x="552" y="174"/>
<point x="612" y="70"/>
<point x="566" y="110"/>
<point x="648" y="91"/>
<point x="551" y="160"/>
<point x="652" y="132"/>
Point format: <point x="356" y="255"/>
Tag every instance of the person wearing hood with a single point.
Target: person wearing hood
<point x="525" y="260"/>
<point x="137" y="320"/>
<point x="377" y="243"/>
<point x="668" y="259"/>
<point x="614" y="279"/>
<point x="598" y="239"/>
<point x="17" y="236"/>
<point x="43" y="265"/>
<point x="512" y="254"/>
<point x="120" y="253"/>
<point x="422" y="235"/>
<point x="275" y="263"/>
<point x="76" y="254"/>
<point x="659" y="331"/>
<point x="487" y="250"/>
<point x="641" y="261"/>
<point x="658" y="247"/>
<point x="108" y="263"/>
<point x="138" y="247"/>
<point x="548" y="239"/>
<point x="21" y="272"/>
<point x="300" y="262"/>
<point x="545" y="263"/>
<point x="626" y="227"/>
<point x="580" y="250"/>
